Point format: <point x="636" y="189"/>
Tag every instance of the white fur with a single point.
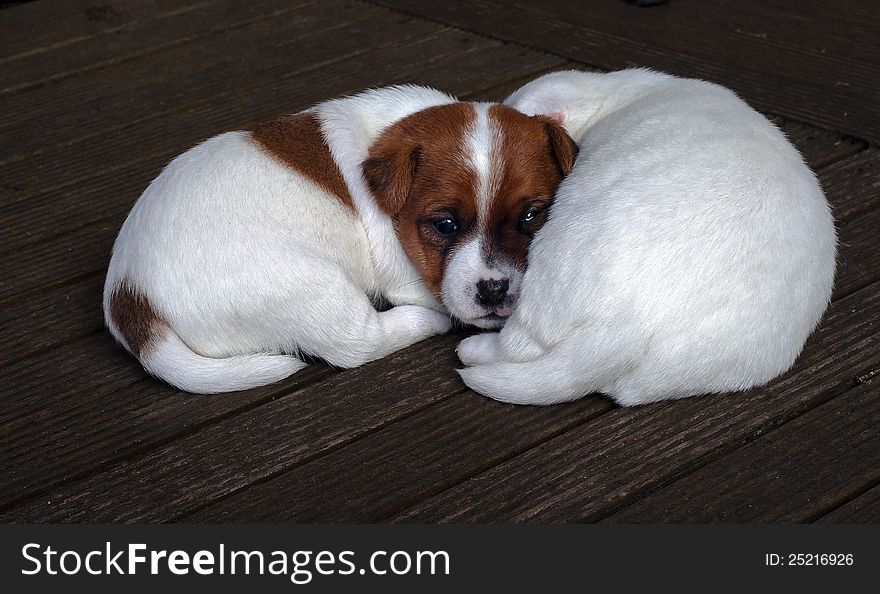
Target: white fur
<point x="251" y="263"/>
<point x="470" y="262"/>
<point x="482" y="150"/>
<point x="690" y="251"/>
<point x="350" y="125"/>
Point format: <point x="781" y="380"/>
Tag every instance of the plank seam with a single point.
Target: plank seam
<point x="46" y="350"/>
<point x="51" y="285"/>
<point x="843" y="501"/>
<point x="110" y="30"/>
<point x="117" y="60"/>
<point x="392" y="511"/>
<point x="11" y="420"/>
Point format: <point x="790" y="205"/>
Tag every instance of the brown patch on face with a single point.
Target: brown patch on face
<point x="297" y="141"/>
<point x="420" y="176"/>
<point x="537" y="154"/>
<point x="135" y="318"/>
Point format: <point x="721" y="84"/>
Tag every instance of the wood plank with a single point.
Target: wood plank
<point x="117" y="138"/>
<point x="25" y="31"/>
<point x="58" y="262"/>
<point x="114" y="189"/>
<point x="862" y="510"/>
<point x="38" y="386"/>
<point x="502" y="91"/>
<point x="856" y="186"/>
<point x="62" y="171"/>
<point x="857" y="254"/>
<point x="186" y="24"/>
<point x="35" y="117"/>
<point x="48" y="319"/>
<point x="330" y="413"/>
<point x="795" y="473"/>
<point x="92" y="404"/>
<point x="768" y="54"/>
<point x="813" y="143"/>
<point x="382" y="472"/>
<point x="596" y="468"/>
<point x="55" y="423"/>
<point x="386" y="475"/>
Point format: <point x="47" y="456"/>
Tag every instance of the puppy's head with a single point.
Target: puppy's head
<point x="467" y="186"/>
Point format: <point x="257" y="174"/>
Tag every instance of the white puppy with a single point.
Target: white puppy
<point x="690" y="251"/>
<point x="258" y="246"/>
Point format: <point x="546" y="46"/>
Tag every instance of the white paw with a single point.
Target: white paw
<point x="425" y="320"/>
<point x="475" y="378"/>
<point x="479" y="349"/>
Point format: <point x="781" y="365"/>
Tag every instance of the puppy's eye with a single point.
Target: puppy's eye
<point x="447" y="226"/>
<point x="532" y="219"/>
<point x="530" y="215"/>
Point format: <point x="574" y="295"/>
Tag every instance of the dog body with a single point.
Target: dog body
<point x="256" y="247"/>
<point x="690" y="251"/>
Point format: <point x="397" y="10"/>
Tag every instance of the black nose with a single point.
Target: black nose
<point x="491" y="292"/>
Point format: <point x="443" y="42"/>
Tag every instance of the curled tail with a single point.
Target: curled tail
<point x="547" y="379"/>
<point x="583" y="363"/>
<point x="173" y="361"/>
<point x="145" y="334"/>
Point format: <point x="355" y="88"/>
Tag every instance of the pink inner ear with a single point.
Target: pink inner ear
<point x="558" y="117"/>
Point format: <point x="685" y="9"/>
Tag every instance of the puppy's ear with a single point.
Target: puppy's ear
<point x="564" y="148"/>
<point x="389" y="172"/>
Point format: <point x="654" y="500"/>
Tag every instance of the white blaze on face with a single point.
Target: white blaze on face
<point x="483" y="143"/>
<point x="469" y="263"/>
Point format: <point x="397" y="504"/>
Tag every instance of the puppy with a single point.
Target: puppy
<point x="257" y="247"/>
<point x="690" y="251"/>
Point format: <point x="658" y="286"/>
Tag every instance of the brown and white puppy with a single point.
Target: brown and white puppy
<point x="258" y="246"/>
<point x="467" y="185"/>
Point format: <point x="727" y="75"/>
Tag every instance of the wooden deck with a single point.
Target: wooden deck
<point x="97" y="95"/>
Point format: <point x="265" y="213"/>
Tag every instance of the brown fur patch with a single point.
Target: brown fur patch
<point x="297" y="141"/>
<point x="135" y="318"/>
<point x="537" y="154"/>
<point x="418" y="174"/>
